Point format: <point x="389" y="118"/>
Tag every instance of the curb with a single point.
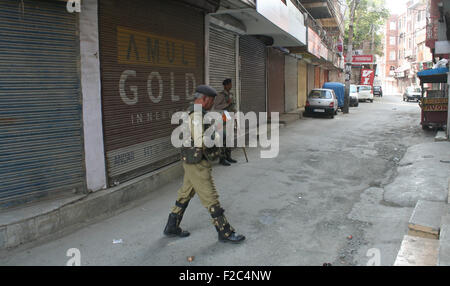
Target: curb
<point x="104" y="203"/>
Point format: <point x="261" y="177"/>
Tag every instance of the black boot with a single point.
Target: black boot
<point x="173" y="223"/>
<point x="224" y="229"/>
<point x="228" y="156"/>
<point x="224" y="162"/>
<point x="173" y="226"/>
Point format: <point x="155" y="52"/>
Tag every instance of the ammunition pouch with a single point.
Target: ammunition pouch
<point x="191" y="155"/>
<point x="212" y="153"/>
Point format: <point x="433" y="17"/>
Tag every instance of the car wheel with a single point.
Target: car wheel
<point x="336" y="112"/>
<point x="371" y="101"/>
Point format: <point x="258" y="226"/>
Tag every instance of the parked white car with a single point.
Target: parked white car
<point x="321" y="100"/>
<point x="354" y="101"/>
<point x="365" y="93"/>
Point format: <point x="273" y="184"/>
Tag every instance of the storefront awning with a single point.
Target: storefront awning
<point x="285" y="24"/>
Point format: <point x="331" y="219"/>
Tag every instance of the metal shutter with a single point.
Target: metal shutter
<point x="275" y="78"/>
<point x="302" y="83"/>
<point x="311" y="77"/>
<point x="154" y="48"/>
<point x="41" y="146"/>
<point x="290" y="83"/>
<point x="253" y="74"/>
<point x="222" y="58"/>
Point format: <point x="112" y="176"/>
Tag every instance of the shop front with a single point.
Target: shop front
<point x="41" y="134"/>
<point x="151" y="61"/>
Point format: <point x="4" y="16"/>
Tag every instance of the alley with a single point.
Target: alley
<point x="297" y="209"/>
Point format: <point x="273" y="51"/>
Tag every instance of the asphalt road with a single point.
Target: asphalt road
<point x="297" y="209"/>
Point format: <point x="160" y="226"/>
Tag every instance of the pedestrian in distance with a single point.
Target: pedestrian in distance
<point x="224" y="101"/>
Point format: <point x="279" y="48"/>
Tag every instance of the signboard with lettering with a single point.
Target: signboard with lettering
<point x="150" y="68"/>
<point x="367" y="76"/>
<point x="434" y="104"/>
<point x="361" y="59"/>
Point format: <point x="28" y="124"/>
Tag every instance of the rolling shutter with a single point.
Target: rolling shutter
<point x="41" y="146"/>
<point x="222" y="58"/>
<point x="253" y="74"/>
<point x="275" y="92"/>
<point x="302" y="83"/>
<point x="152" y="58"/>
<point x="290" y="83"/>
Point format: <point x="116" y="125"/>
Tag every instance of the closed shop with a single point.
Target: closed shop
<point x="302" y="84"/>
<point x="311" y="77"/>
<point x="290" y="83"/>
<point x="317" y="77"/>
<point x="222" y="57"/>
<point x="252" y="74"/>
<point x="41" y="145"/>
<point x="275" y="84"/>
<point x="152" y="58"/>
<point x="322" y="77"/>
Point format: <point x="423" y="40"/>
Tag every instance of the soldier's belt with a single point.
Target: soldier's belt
<point x="191" y="155"/>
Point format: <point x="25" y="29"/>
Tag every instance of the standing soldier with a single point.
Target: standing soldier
<point x="197" y="176"/>
<point x="225" y="101"/>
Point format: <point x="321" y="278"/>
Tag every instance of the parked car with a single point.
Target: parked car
<point x="412" y="93"/>
<point x="365" y="93"/>
<point x="377" y="91"/>
<point x="354" y="101"/>
<point x="339" y="91"/>
<point x="321" y="100"/>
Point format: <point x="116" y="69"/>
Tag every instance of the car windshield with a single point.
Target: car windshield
<point x="353" y="88"/>
<point x="365" y="87"/>
<point x="320" y="94"/>
<point x="376" y="88"/>
<point x="414" y="89"/>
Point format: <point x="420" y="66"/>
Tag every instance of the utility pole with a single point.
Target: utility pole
<point x="348" y="65"/>
<point x="372" y="46"/>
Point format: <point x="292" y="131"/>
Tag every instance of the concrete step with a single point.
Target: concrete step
<point x="417" y="251"/>
<point x="425" y="220"/>
<point x="444" y="242"/>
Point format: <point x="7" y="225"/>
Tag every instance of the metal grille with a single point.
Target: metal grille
<point x="222" y="58"/>
<point x="152" y="57"/>
<point x="291" y="84"/>
<point x="41" y="146"/>
<point x="253" y="74"/>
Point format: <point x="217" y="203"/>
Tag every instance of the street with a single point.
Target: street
<point x="320" y="201"/>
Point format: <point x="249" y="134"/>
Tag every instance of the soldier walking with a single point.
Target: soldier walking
<point x="225" y="101"/>
<point x="198" y="178"/>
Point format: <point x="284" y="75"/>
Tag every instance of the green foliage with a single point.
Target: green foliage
<point x="369" y="14"/>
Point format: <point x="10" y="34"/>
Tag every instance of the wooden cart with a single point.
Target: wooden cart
<point x="434" y="103"/>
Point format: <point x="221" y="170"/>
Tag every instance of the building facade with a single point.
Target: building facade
<point x="97" y="113"/>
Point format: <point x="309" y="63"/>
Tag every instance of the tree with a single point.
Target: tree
<point x="369" y="14"/>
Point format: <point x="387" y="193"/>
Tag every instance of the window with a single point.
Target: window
<point x="399" y="24"/>
<point x="393" y="26"/>
<point x="419" y="14"/>
<point x="320" y="94"/>
<point x="392" y="56"/>
<point x="392" y="41"/>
